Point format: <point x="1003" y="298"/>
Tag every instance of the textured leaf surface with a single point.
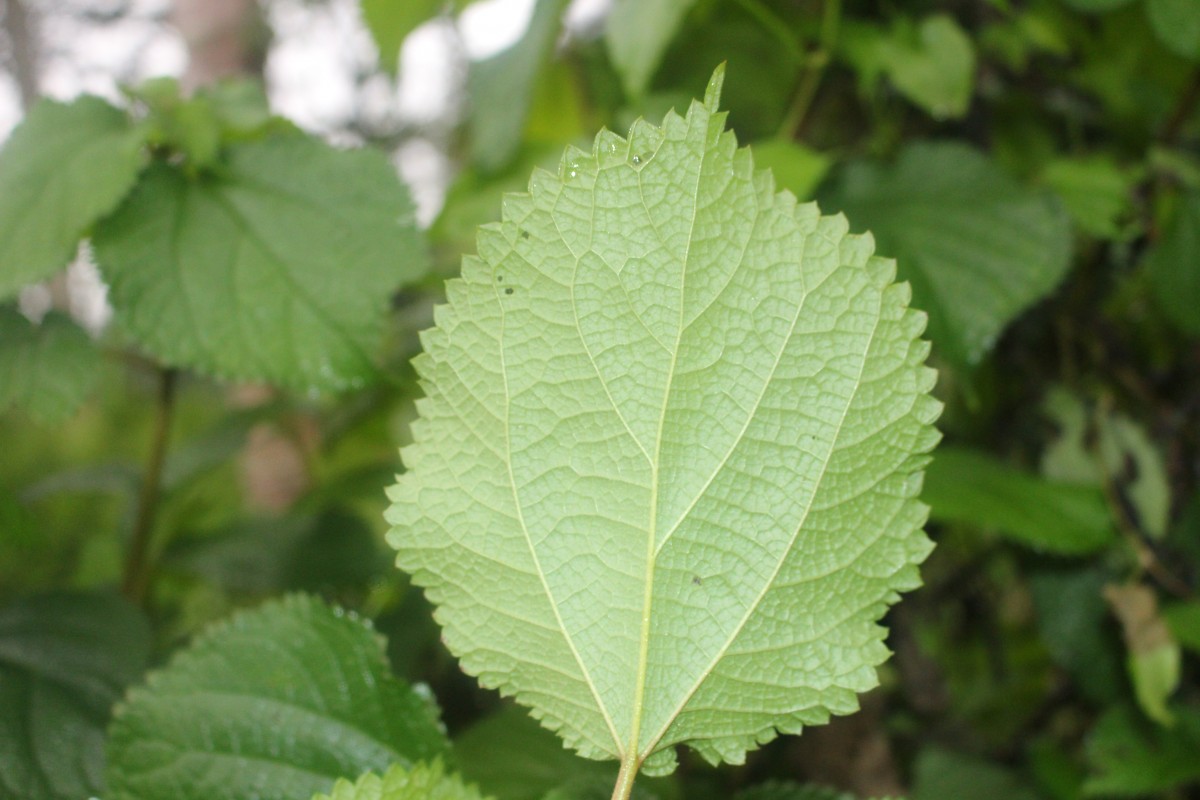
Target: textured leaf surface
<point x="967" y="486"/>
<point x="64" y="660"/>
<point x="977" y="247"/>
<point x="664" y="479"/>
<point x="63" y="168"/>
<point x="275" y="703"/>
<point x="277" y="269"/>
<point x="637" y="36"/>
<point x="46" y="369"/>
<point x="420" y="782"/>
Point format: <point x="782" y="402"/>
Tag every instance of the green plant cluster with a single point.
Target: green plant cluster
<point x="665" y="437"/>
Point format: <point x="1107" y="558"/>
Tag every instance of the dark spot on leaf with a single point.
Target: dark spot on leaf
<point x="696" y="580"/>
<point x="509" y="290"/>
<point x="499" y="279"/>
<point x="524" y="234"/>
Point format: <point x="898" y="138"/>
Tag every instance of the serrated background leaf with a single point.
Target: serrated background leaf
<point x="275" y="704"/>
<point x="667" y="409"/>
<point x="279" y="268"/>
<point x="46" y="369"/>
<point x="420" y="782"/>
<point x="63" y="168"/>
<point x="978" y="247"/>
<point x="64" y="660"/>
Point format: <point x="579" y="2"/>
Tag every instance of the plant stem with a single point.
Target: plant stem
<point x="810" y="79"/>
<point x="629" y="768"/>
<point x="136" y="575"/>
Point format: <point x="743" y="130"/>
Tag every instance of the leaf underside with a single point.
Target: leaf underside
<point x="663" y="483"/>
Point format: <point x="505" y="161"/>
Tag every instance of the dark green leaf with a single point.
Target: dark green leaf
<point x="1184" y="621"/>
<point x="1076" y="629"/>
<point x="966" y="486"/>
<point x="978" y="247"/>
<point x="46" y="369"/>
<point x="1172" y="267"/>
<point x="279" y="269"/>
<point x="63" y="168"/>
<point x="777" y="790"/>
<point x="64" y="660"/>
<point x="273" y="704"/>
<point x="946" y="775"/>
<point x="1130" y="757"/>
<point x="1177" y="24"/>
<point x="1094" y="6"/>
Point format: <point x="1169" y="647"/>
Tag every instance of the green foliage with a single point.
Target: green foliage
<point x="971" y="487"/>
<point x="64" y="168"/>
<point x="277" y="268"/>
<point x="208" y="725"/>
<point x="64" y="660"/>
<point x="1031" y="164"/>
<point x="610" y="349"/>
<point x="977" y="247"/>
<point x="420" y="782"/>
<point x="46" y="369"/>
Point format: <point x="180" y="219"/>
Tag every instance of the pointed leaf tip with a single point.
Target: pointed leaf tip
<point x="712" y="94"/>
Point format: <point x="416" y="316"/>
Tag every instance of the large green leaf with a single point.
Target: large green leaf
<point x="63" y="168"/>
<point x="64" y="661"/>
<point x="637" y="36"/>
<point x="967" y="486"/>
<point x="278" y="268"/>
<point x="1177" y="24"/>
<point x="667" y="409"/>
<point x="46" y="369"/>
<point x="1174" y="275"/>
<point x="977" y="246"/>
<point x="420" y="782"/>
<point x="274" y="704"/>
<point x="1130" y="757"/>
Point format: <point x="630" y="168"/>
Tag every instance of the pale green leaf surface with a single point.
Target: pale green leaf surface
<point x="276" y="703"/>
<point x="421" y="781"/>
<point x="664" y="479"/>
<point x="501" y="88"/>
<point x="63" y="168"/>
<point x="1177" y="25"/>
<point x="278" y="269"/>
<point x="46" y="369"/>
<point x="963" y="485"/>
<point x="1173" y="268"/>
<point x="64" y="661"/>
<point x="978" y="247"/>
<point x="637" y="36"/>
